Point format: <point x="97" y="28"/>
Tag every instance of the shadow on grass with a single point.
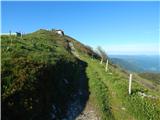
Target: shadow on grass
<point x="55" y="92"/>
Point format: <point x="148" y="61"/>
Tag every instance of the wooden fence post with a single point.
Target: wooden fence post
<point x="107" y="66"/>
<point x="101" y="61"/>
<point x="130" y="83"/>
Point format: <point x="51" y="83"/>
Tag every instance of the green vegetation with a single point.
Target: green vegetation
<point x="114" y="89"/>
<point x="99" y="93"/>
<point x="154" y="77"/>
<point x="35" y="69"/>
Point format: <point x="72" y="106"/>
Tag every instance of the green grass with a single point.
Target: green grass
<point x="99" y="93"/>
<point x="154" y="77"/>
<point x="33" y="71"/>
<point x="117" y="96"/>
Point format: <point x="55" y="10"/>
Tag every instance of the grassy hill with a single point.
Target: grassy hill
<point x="41" y="76"/>
<point x="154" y="77"/>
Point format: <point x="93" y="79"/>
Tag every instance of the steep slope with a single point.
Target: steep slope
<point x="113" y="86"/>
<point x="47" y="76"/>
<point x="154" y="77"/>
<point x="39" y="75"/>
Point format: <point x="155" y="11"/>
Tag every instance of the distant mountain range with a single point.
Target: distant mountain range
<point x="137" y="63"/>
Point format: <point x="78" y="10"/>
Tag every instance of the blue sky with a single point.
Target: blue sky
<point x="119" y="27"/>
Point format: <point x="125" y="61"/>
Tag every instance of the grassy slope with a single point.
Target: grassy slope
<point x="154" y="77"/>
<point x="114" y="90"/>
<point x="33" y="72"/>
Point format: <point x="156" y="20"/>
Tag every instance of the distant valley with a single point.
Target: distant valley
<point x="138" y="63"/>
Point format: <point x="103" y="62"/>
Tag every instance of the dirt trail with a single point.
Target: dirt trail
<point x="88" y="113"/>
<point x="79" y="107"/>
<point x="77" y="111"/>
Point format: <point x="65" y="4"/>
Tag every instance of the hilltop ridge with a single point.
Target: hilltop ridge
<point x="49" y="76"/>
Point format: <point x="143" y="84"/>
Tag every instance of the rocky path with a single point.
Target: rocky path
<point x="77" y="111"/>
<point x="79" y="107"/>
<point x="88" y="113"/>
